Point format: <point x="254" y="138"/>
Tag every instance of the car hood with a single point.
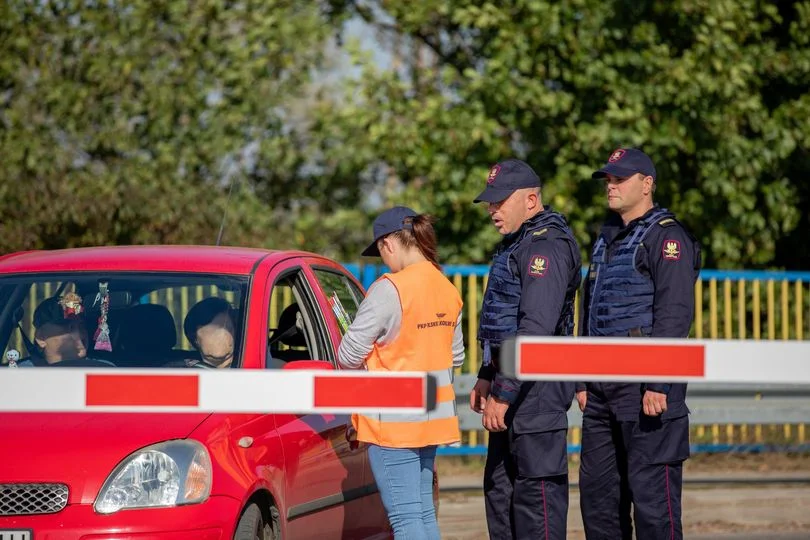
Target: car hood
<point x="81" y="449"/>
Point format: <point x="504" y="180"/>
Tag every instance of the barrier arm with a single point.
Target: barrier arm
<point x="49" y="389"/>
<point x="655" y="359"/>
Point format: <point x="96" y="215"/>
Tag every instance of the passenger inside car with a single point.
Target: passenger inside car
<point x="209" y="326"/>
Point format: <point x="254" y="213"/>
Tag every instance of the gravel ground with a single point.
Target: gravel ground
<point x="715" y="512"/>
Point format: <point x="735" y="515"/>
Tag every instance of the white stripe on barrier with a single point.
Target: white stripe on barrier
<point x="758" y="361"/>
<point x="42" y="389"/>
<point x="197" y="390"/>
<point x="654" y="359"/>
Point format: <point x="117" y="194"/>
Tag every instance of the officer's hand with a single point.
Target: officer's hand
<point x="495" y="414"/>
<point x="479" y="395"/>
<point x="582" y="399"/>
<point x="654" y="403"/>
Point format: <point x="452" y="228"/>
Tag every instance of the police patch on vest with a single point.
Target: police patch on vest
<point x="538" y="266"/>
<point x="671" y="250"/>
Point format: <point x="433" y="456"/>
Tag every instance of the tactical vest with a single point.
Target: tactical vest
<point x="499" y="312"/>
<point x="621" y="296"/>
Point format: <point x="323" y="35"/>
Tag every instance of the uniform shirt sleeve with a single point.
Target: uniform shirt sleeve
<point x="488" y="372"/>
<point x="673" y="265"/>
<point x="458" y="343"/>
<point x="584" y="314"/>
<point x="672" y="259"/>
<point x="544" y="267"/>
<point x="377" y="320"/>
<point x="584" y="307"/>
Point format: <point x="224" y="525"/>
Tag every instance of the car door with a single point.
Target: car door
<point x="343" y="296"/>
<point x="324" y="474"/>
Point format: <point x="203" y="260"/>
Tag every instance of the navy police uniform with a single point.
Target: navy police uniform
<point x="641" y="284"/>
<point x="532" y="283"/>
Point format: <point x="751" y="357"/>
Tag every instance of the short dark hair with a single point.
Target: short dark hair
<point x="203" y="313"/>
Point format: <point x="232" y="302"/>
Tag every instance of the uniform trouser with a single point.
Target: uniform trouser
<point x="520" y="506"/>
<point x="631" y="462"/>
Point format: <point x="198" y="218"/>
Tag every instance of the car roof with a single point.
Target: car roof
<point x="196" y="259"/>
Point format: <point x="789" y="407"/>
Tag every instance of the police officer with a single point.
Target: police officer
<point x="534" y="276"/>
<point x="635" y="437"/>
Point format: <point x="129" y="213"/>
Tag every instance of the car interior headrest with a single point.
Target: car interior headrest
<point x="147" y="328"/>
<point x="290" y="329"/>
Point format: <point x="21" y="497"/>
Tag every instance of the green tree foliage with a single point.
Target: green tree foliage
<point x="125" y="122"/>
<point x="717" y="91"/>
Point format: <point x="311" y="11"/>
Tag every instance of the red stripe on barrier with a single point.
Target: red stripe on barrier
<point x="369" y="392"/>
<point x="142" y="390"/>
<point x="612" y="359"/>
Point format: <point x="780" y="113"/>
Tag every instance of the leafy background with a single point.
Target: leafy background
<point x="140" y="121"/>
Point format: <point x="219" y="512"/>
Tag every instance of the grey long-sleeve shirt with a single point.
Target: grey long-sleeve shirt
<point x="377" y="321"/>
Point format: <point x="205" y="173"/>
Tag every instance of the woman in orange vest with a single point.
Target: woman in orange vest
<point x="410" y="320"/>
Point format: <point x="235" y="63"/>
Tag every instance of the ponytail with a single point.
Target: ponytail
<point x="419" y="233"/>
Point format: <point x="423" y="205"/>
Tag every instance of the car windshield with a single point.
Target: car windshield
<point x="127" y="320"/>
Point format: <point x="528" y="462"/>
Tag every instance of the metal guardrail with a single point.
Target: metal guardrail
<point x="729" y="304"/>
<point x="725" y="418"/>
<point x="709" y="404"/>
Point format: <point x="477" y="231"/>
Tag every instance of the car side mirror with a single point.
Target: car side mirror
<point x="309" y="364"/>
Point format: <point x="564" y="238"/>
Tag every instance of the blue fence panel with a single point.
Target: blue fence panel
<point x="367" y="273"/>
<point x="756" y="448"/>
<point x="730" y="303"/>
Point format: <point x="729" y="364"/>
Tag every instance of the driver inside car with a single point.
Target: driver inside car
<point x="60" y="333"/>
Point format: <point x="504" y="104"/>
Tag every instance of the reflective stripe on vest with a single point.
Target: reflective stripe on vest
<point x="621" y="296"/>
<point x="499" y="312"/>
<point x="430" y="310"/>
<point x="445" y="402"/>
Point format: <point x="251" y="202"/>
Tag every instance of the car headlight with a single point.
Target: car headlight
<point x="171" y="473"/>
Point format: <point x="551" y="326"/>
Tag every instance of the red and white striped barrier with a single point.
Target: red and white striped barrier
<point x="178" y="390"/>
<point x="654" y="359"/>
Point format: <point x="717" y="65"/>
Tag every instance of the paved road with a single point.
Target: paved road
<point x="710" y="513"/>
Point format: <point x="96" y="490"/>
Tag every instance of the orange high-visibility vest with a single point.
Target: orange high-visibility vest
<point x="430" y="309"/>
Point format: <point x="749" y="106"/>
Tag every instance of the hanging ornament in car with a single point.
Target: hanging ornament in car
<point x="102" y="335"/>
<point x="71" y="305"/>
<point x="13" y="355"/>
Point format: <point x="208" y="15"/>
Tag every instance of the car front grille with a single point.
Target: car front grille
<point x="29" y="499"/>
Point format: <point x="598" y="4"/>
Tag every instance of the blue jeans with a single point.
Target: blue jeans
<point x="405" y="479"/>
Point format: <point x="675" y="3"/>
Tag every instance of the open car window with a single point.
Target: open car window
<point x="296" y="328"/>
<point x="343" y="295"/>
<point x="119" y="319"/>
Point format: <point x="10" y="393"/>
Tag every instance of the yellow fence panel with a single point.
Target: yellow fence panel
<point x="728" y="305"/>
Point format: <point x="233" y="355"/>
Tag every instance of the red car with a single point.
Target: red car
<point x="173" y="476"/>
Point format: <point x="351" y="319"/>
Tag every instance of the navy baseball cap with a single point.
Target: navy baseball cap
<point x="390" y="221"/>
<point x="624" y="162"/>
<point x="507" y="177"/>
<point x="59" y="311"/>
